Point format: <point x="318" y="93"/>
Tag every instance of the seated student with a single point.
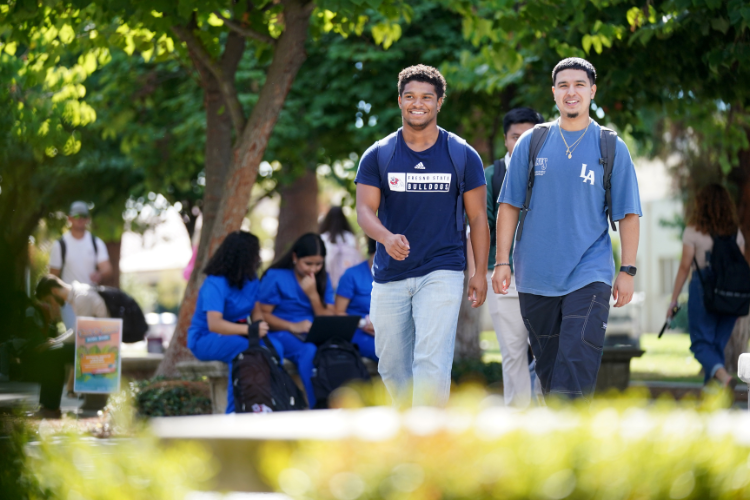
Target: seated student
<point x="294" y="290"/>
<point x="228" y="296"/>
<point x="353" y="298"/>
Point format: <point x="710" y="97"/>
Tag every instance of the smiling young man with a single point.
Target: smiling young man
<point x="419" y="180"/>
<point x="563" y="253"/>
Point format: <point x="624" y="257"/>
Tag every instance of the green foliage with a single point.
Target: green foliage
<point x="624" y="448"/>
<point x="17" y="481"/>
<point x="160" y="397"/>
<point x="71" y="467"/>
<point x="476" y="371"/>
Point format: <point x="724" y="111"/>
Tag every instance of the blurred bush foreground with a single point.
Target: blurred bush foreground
<point x="622" y="448"/>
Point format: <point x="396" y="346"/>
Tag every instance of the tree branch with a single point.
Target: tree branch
<point x="244" y="31"/>
<point x="226" y="83"/>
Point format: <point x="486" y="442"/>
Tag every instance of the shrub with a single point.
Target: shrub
<point x="621" y="449"/>
<point x="160" y="397"/>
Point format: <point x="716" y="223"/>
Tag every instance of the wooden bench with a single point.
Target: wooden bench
<point x="218" y="377"/>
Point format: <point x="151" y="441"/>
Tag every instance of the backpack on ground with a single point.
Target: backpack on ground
<point x="726" y="290"/>
<point x="336" y="363"/>
<point x="458" y="151"/>
<point x="260" y="383"/>
<point x="608" y="146"/>
<point x="121" y="305"/>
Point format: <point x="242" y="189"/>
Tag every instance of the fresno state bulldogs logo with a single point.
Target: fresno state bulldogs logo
<point x="397" y="181"/>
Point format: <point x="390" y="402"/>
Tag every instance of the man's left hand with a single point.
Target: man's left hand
<point x="622" y="291"/>
<point x="477" y="289"/>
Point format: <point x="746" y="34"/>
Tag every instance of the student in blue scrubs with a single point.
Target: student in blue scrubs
<point x="353" y="298"/>
<point x="294" y="290"/>
<point x="228" y="295"/>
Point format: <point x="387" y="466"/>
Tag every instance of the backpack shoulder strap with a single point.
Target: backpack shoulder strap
<point x="538" y="136"/>
<point x="459" y="152"/>
<point x="385" y="151"/>
<point x="96" y="248"/>
<point x="63" y="251"/>
<point x="497" y="177"/>
<point x="608" y="145"/>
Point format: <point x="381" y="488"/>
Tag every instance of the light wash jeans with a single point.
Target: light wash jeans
<point x="415" y="333"/>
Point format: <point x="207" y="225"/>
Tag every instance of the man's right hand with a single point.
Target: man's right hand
<point x="301" y="327"/>
<point x="397" y="246"/>
<point x="501" y="279"/>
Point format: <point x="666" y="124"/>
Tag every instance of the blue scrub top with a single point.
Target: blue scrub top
<point x="217" y="295"/>
<point x="280" y="288"/>
<point x="356" y="285"/>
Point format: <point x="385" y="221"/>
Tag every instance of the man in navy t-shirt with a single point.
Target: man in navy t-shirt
<point x="563" y="260"/>
<point x="419" y="194"/>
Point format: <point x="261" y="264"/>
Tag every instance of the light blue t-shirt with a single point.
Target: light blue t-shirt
<point x="279" y="287"/>
<point x="565" y="243"/>
<point x="356" y="285"/>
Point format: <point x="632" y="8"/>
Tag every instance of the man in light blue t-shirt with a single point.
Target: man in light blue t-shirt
<point x="563" y="262"/>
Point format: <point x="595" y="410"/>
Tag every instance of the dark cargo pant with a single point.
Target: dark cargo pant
<point x="567" y="337"/>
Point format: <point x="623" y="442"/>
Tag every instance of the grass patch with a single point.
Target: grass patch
<point x="667" y="359"/>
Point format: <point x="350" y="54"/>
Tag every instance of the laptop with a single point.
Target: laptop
<point x="325" y="328"/>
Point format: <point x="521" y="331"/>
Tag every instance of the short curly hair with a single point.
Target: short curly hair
<point x="422" y="73"/>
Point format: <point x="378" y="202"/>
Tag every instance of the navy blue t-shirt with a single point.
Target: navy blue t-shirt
<point x="356" y="285"/>
<point x="420" y="203"/>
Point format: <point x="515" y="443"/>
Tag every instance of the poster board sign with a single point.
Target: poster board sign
<point x="98" y="359"/>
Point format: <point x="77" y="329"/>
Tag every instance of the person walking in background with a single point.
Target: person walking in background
<point x="418" y="181"/>
<point x="505" y="310"/>
<point x="713" y="215"/>
<point x="79" y="255"/>
<point x="563" y="253"/>
<point x="342" y="251"/>
<point x="294" y="290"/>
<point x="353" y="297"/>
<point x="227" y="298"/>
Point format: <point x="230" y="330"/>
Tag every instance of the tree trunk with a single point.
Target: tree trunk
<point x="467" y="333"/>
<point x="738" y="343"/>
<point x="288" y="57"/>
<point x="298" y="213"/>
<point x="218" y="157"/>
<point x="113" y="249"/>
<point x="240" y="177"/>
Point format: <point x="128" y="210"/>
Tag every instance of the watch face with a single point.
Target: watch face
<point x="631" y="270"/>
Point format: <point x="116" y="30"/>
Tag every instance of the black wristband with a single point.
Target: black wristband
<point x="253" y="330"/>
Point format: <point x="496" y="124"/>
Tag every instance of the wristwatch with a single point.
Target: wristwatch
<point x="628" y="269"/>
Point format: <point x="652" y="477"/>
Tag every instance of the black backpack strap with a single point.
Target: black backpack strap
<point x="458" y="152"/>
<point x="608" y="145"/>
<point x="96" y="252"/>
<point x="497" y="177"/>
<point x="385" y="151"/>
<point x="63" y="251"/>
<point x="538" y="136"/>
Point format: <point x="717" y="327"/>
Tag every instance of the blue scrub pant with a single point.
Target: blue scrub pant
<point x="290" y="347"/>
<point x="709" y="332"/>
<point x="214" y="347"/>
<point x="365" y="343"/>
